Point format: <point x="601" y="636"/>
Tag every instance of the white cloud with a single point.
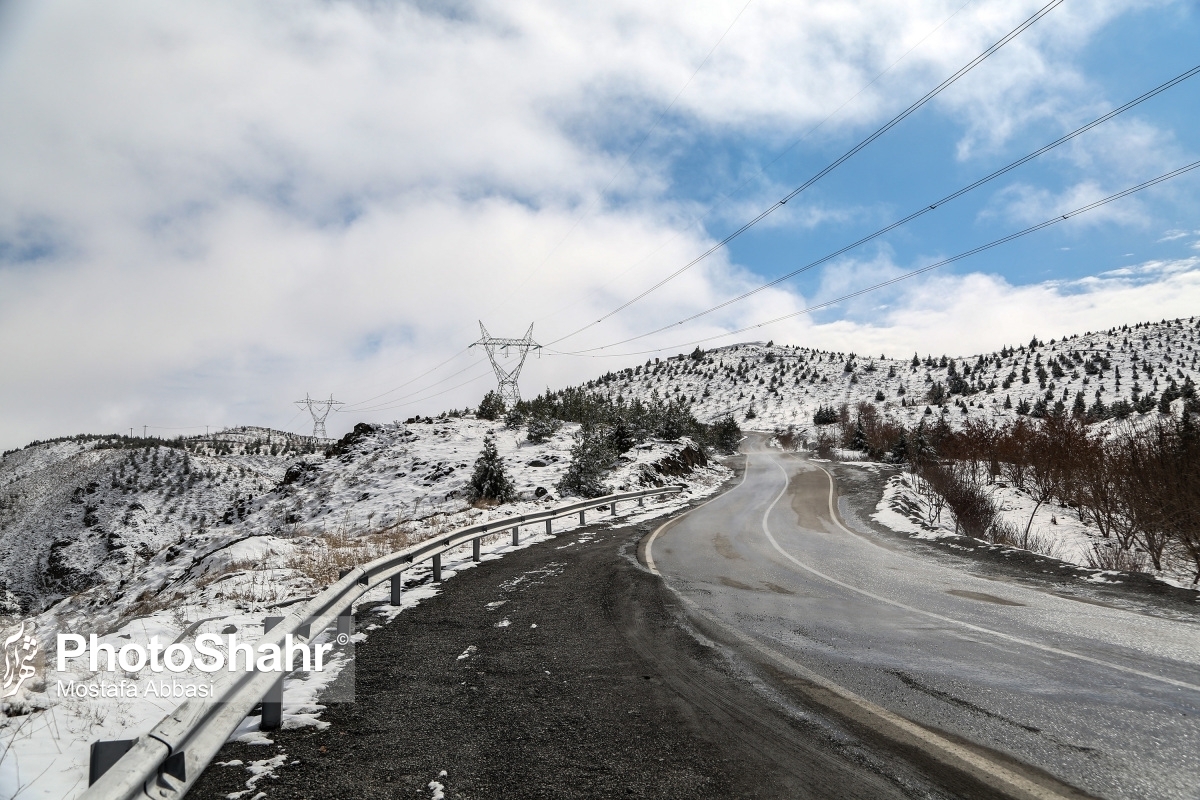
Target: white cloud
<point x="208" y="210"/>
<point x="976" y="313"/>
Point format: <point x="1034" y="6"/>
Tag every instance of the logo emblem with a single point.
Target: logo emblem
<point x="20" y="648"/>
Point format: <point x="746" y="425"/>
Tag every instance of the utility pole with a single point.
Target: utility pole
<point x="507" y="378"/>
<point x="320" y="410"/>
<point x="144" y="431"/>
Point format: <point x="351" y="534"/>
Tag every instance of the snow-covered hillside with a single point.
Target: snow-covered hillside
<point x="89" y="511"/>
<point x="771" y="386"/>
<point x="83" y="520"/>
<point x="130" y="539"/>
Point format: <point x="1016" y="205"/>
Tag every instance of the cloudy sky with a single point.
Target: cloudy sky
<point x="208" y="210"/>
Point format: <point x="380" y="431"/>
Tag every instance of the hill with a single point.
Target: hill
<point x="1134" y="369"/>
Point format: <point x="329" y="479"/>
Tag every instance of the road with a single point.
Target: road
<point x="1028" y="691"/>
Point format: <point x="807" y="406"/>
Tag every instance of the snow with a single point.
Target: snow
<point x="785" y="385"/>
<point x="1055" y="531"/>
<point x="262" y="546"/>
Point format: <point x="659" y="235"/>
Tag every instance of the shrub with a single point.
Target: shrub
<point x="826" y="415"/>
<point x="491" y="408"/>
<point x="541" y="428"/>
<point x="490" y="481"/>
<point x="591" y="458"/>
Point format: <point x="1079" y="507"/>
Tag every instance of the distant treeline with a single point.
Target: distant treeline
<point x="624" y="423"/>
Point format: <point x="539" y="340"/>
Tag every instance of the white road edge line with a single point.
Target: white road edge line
<point x="977" y="628"/>
<point x="995" y="772"/>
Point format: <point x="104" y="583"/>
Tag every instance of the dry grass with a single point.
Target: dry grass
<point x="333" y="552"/>
<point x="1108" y="555"/>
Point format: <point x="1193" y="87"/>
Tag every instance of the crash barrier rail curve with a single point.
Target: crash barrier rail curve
<point x="164" y="763"/>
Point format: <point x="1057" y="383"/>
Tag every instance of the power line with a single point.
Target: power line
<point x="360" y="405"/>
<point x="995" y="243"/>
<point x="724" y="198"/>
<point x="390" y="403"/>
<point x="1017" y="31"/>
<point x="925" y="209"/>
<point x="353" y="406"/>
<point x="437" y="394"/>
<point x="624" y="164"/>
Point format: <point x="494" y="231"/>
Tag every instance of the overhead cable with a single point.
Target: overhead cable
<point x="395" y="401"/>
<point x="995" y="243"/>
<point x="761" y="170"/>
<point x="355" y="406"/>
<point x="925" y="209"/>
<point x="1015" y="32"/>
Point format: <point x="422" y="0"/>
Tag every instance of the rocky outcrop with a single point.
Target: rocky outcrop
<point x="688" y="458"/>
<point x="344" y="445"/>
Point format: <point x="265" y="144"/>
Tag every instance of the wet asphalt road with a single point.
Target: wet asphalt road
<point x="1100" y="698"/>
<point x="567" y="670"/>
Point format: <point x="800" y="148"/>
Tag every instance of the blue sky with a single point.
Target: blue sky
<point x="207" y="212"/>
<point x="922" y="160"/>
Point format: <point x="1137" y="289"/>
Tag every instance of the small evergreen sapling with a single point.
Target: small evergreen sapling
<point x="490" y="482"/>
<point x="542" y="427"/>
<point x="491" y="408"/>
<point x="591" y="458"/>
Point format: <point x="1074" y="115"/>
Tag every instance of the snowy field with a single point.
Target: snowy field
<point x="180" y="544"/>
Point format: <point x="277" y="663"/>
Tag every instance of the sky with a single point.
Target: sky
<point x="210" y="211"/>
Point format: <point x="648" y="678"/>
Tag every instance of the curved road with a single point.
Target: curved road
<point x="1032" y="693"/>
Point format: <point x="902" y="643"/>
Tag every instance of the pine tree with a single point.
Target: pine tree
<point x="491" y="408"/>
<point x="859" y="440"/>
<point x="726" y="435"/>
<point x="542" y="427"/>
<point x="490" y="481"/>
<point x="590" y="460"/>
<point x="1079" y="408"/>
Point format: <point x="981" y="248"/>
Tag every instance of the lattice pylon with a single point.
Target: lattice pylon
<point x="320" y="411"/>
<point x="507" y="378"/>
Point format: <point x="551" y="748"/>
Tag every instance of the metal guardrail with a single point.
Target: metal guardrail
<point x="164" y="763"/>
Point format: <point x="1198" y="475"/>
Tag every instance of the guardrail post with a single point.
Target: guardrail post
<point x="437" y="568"/>
<point x="581" y="517"/>
<point x="641" y="501"/>
<point x="549" y="528"/>
<point x="345" y="626"/>
<point x="612" y="508"/>
<point x="475" y="549"/>
<point x="104" y="754"/>
<point x="397" y="588"/>
<point x="516" y="535"/>
<point x="272" y="704"/>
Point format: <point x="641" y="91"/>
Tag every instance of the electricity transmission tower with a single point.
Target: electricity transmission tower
<point x="320" y="410"/>
<point x="507" y="377"/>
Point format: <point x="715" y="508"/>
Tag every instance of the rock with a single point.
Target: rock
<point x="300" y="472"/>
<point x="537" y="462"/>
<point x="682" y="462"/>
<point x="540" y="491"/>
<point x="343" y="446"/>
<point x="62" y="573"/>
